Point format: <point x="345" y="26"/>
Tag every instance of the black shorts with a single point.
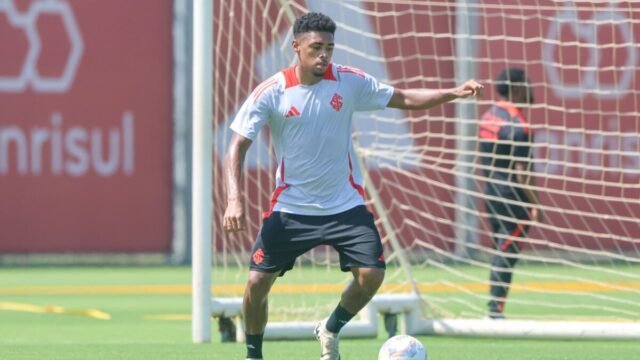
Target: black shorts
<point x="283" y="237"/>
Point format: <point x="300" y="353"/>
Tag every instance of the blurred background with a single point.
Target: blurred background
<point x="95" y="132"/>
<point x="96" y="163"/>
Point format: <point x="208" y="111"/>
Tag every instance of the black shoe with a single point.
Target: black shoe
<point x="494" y="315"/>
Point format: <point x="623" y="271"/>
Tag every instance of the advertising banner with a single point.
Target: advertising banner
<point x="85" y="126"/>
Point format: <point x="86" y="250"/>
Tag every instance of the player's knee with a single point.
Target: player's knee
<point x="371" y="279"/>
<point x="259" y="284"/>
<point x="512" y="260"/>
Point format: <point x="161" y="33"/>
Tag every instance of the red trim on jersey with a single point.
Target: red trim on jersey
<point x="276" y="193"/>
<point x="351" y="70"/>
<point x="490" y="126"/>
<point x="352" y="181"/>
<point x="511" y="109"/>
<point x="274" y="200"/>
<point x="292" y="79"/>
<point x="514" y="112"/>
<point x="516" y="233"/>
<point x="263" y="87"/>
<point x="328" y="75"/>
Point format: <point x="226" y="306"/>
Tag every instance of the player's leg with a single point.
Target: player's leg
<point x="274" y="252"/>
<point x="357" y="241"/>
<point x="501" y="274"/>
<point x="365" y="284"/>
<point x="255" y="310"/>
<point x="508" y="229"/>
<point x="354" y="235"/>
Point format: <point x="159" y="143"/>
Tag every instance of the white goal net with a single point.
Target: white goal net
<point x="580" y="263"/>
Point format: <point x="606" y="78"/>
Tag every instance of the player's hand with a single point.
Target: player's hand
<point x="233" y="220"/>
<point x="536" y="214"/>
<point x="469" y="88"/>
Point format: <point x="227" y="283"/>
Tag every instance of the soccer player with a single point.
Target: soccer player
<point x="317" y="200"/>
<point x="505" y="143"/>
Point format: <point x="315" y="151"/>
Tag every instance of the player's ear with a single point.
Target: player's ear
<point x="296" y="46"/>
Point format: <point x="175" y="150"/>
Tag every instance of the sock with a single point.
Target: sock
<point x="496" y="306"/>
<point x="339" y="318"/>
<point x="500" y="277"/>
<point x="254" y="346"/>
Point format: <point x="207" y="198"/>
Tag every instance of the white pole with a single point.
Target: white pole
<point x="202" y="167"/>
<point x="465" y="218"/>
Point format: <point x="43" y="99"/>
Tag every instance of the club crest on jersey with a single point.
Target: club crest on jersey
<point x="336" y="102"/>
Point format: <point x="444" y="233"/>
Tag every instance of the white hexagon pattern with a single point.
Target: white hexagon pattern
<point x="27" y="21"/>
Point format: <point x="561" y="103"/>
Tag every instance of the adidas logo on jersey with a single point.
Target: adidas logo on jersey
<point x="292" y="112"/>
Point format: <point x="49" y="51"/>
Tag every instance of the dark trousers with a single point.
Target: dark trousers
<point x="508" y="228"/>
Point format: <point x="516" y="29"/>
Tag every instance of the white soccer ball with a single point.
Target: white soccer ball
<point x="402" y="347"/>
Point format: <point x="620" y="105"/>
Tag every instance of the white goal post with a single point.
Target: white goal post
<point x="202" y="169"/>
<point x="579" y="272"/>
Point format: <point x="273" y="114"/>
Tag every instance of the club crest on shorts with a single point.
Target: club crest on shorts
<point x="258" y="256"/>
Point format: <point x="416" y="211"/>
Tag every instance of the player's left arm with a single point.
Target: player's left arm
<point x="422" y="99"/>
<point x="525" y="172"/>
<point x="524" y="175"/>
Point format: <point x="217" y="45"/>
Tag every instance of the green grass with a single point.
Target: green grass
<point x="131" y="334"/>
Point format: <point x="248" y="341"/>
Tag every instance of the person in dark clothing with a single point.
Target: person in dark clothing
<point x="506" y="159"/>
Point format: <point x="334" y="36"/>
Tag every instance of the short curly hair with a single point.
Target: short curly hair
<point x="313" y="21"/>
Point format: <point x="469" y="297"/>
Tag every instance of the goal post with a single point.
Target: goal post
<point x="201" y="306"/>
<point x="466" y="128"/>
<point x="580" y="266"/>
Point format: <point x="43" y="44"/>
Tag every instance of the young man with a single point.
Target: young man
<point x="317" y="201"/>
<point x="505" y="141"/>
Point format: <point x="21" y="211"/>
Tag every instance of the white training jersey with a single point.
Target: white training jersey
<point x="310" y="128"/>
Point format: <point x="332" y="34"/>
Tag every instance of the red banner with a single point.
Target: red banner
<point x="85" y="126"/>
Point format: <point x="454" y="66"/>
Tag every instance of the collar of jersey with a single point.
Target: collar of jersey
<point x="292" y="80"/>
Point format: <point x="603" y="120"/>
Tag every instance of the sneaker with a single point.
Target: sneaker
<point x="495" y="315"/>
<point x="328" y="342"/>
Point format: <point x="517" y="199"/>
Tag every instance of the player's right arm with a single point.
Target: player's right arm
<point x="234" y="214"/>
<point x="252" y="116"/>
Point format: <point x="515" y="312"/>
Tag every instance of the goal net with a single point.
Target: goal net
<point x="424" y="184"/>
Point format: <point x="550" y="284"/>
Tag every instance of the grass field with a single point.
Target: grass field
<point x="149" y="308"/>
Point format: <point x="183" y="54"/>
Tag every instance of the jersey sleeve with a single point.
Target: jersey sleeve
<point x="374" y="95"/>
<point x="253" y="115"/>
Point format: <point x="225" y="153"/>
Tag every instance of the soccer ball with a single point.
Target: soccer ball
<point x="402" y="347"/>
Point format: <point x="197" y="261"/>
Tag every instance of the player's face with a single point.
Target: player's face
<point x="522" y="94"/>
<point x="314" y="50"/>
